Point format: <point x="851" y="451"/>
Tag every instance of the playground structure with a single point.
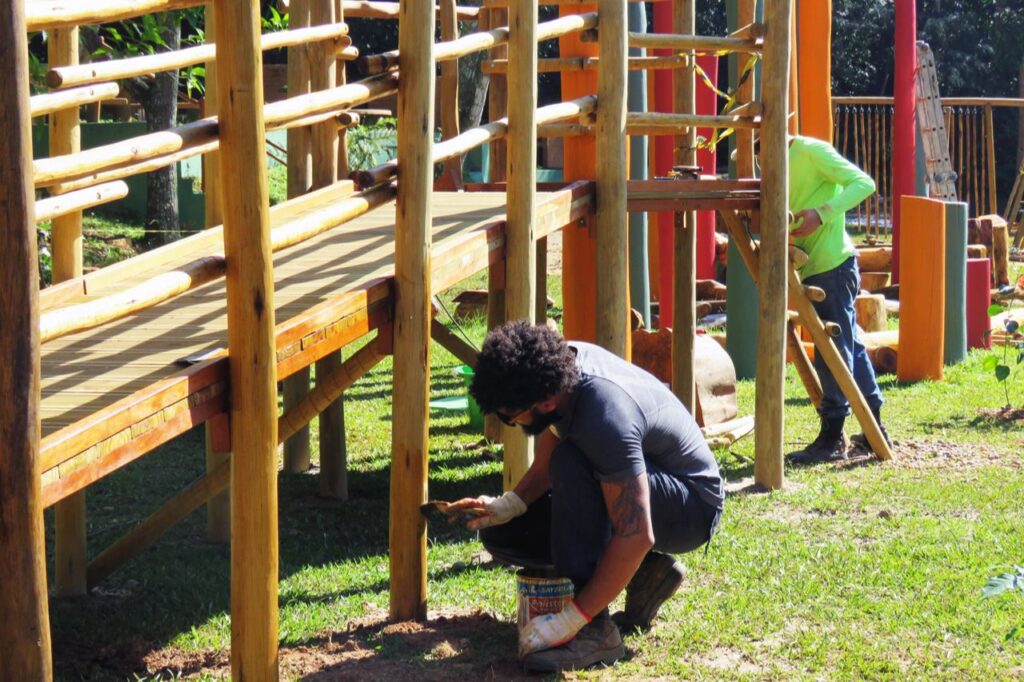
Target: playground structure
<point x="116" y="362"/>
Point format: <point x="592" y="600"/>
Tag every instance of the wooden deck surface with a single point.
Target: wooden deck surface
<point x="88" y="371"/>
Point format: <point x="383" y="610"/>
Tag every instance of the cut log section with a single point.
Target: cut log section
<point x="883" y="349"/>
<point x="872" y="315"/>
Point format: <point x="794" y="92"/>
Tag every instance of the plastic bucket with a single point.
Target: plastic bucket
<point x="539" y="593"/>
<point x="476" y="417"/>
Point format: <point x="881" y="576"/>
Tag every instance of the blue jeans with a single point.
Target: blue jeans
<point x="841" y="286"/>
<point x="569" y="527"/>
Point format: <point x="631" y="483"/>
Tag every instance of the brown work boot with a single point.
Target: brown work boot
<point x="598" y="642"/>
<point x="657" y="579"/>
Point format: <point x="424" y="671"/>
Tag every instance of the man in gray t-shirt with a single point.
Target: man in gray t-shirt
<point x="621" y="474"/>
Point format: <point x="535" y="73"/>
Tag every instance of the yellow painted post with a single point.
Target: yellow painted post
<point x="25" y="625"/>
<point x="773" y="286"/>
<point x="252" y="359"/>
<point x="610" y="138"/>
<point x="65" y="138"/>
<point x="410" y="411"/>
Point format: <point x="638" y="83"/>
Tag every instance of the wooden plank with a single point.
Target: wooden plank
<point x="25" y="627"/>
<point x="410" y="411"/>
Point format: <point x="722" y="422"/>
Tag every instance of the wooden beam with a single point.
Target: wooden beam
<point x="50" y="102"/>
<point x="25" y="626"/>
<point x="684" y="301"/>
<point x="745" y="93"/>
<point x="45" y="15"/>
<point x="771" y="338"/>
<point x="66" y="138"/>
<point x="410" y="411"/>
<point x="497" y="98"/>
<point x="453" y="343"/>
<point x="363" y="9"/>
<point x="76" y="201"/>
<point x="451" y="174"/>
<point x="685" y="41"/>
<point x="559" y="64"/>
<point x="250" y="297"/>
<point x="612" y="296"/>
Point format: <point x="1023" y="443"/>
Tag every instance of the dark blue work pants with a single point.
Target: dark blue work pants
<point x="841" y="286"/>
<point x="569" y="527"/>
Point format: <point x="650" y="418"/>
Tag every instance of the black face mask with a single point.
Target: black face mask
<point x="540" y="421"/>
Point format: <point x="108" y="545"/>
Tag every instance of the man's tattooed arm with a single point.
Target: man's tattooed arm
<point x="629" y="506"/>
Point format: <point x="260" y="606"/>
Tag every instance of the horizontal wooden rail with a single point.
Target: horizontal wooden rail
<point x="60" y="322"/>
<point x="477" y="42"/>
<point x="554" y="65"/>
<point x="946" y="101"/>
<point x="157" y="150"/>
<point x="62" y="204"/>
<point x="43" y="15"/>
<point x="475" y="137"/>
<point x="361" y="9"/>
<point x="49" y="102"/>
<point x="655" y="123"/>
<point x="551" y="3"/>
<point x="684" y="42"/>
<point x="116" y="69"/>
<point x="199" y="491"/>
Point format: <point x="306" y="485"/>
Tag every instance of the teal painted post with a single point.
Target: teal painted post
<point x="636" y="100"/>
<point x="955" y="349"/>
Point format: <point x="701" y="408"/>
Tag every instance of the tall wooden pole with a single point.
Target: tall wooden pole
<point x="340" y="79"/>
<point x="218" y="431"/>
<point x="25" y="625"/>
<point x="520" y="256"/>
<point x="250" y="298"/>
<point x="300" y="180"/>
<point x="451" y="175"/>
<point x="65" y="138"/>
<point x="410" y="411"/>
<point x="745" y="136"/>
<point x="772" y="292"/>
<point x="323" y="75"/>
<point x="612" y="244"/>
<point x="684" y="313"/>
<point x="497" y="97"/>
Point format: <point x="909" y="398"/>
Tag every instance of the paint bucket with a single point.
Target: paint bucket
<point x="539" y="592"/>
<point x="476" y="417"/>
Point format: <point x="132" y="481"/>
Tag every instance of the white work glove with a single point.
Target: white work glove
<point x="552" y="629"/>
<point x="490" y="511"/>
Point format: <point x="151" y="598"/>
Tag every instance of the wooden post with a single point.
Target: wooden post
<point x="990" y="157"/>
<point x="497" y="97"/>
<point x="25" y="626"/>
<point x="65" y="138"/>
<point x="250" y="303"/>
<point x="451" y="176"/>
<point x="610" y="138"/>
<point x="494" y="430"/>
<point x="340" y="79"/>
<point x="300" y="181"/>
<point x="521" y="145"/>
<point x="772" y="293"/>
<point x="323" y="75"/>
<point x="745" y="137"/>
<point x="410" y="411"/>
<point x="218" y="430"/>
<point x="684" y="314"/>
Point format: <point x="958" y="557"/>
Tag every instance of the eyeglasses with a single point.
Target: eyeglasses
<point x="514" y="419"/>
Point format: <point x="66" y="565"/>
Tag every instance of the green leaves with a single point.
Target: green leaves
<point x="1002" y="372"/>
<point x="995" y="309"/>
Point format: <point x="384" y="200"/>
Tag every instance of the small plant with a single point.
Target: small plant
<point x="1001" y="367"/>
<point x="373" y="144"/>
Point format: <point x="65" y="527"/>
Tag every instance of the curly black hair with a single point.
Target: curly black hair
<point x="520" y="365"/>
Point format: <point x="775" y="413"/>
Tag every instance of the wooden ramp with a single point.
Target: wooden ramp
<point x="113" y="393"/>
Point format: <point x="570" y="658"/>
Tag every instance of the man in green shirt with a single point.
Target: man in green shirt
<point x="823" y="186"/>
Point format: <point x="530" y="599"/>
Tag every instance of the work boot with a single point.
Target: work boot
<point x="657" y="579"/>
<point x="829" y="446"/>
<point x="598" y="642"/>
<point x="861" y="440"/>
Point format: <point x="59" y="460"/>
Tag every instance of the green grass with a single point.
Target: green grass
<point x="862" y="572"/>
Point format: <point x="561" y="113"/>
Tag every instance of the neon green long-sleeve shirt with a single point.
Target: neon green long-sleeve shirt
<point x="821" y="179"/>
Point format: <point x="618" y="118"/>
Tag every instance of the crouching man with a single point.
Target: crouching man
<point x="621" y="476"/>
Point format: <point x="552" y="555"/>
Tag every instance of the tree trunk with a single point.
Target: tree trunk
<point x="473" y="84"/>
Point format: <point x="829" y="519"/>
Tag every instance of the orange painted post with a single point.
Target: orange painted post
<point x="579" y="244"/>
<point x="814" y="61"/>
<point x="922" y="289"/>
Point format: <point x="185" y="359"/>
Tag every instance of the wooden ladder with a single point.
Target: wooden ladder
<point x="800" y="299"/>
<point x="939" y="172"/>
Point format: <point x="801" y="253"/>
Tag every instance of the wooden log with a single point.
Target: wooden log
<point x="25" y="626"/>
<point x="684" y="265"/>
<point x="50" y="102"/>
<point x="278" y="114"/>
<point x="362" y="9"/>
<point x="656" y="123"/>
<point x="871" y="312"/>
<point x="497" y="99"/>
<point x="45" y="15"/>
<point x="451" y="174"/>
<point x="453" y="343"/>
<point x="797" y="354"/>
<point x="332" y="37"/>
<point x="557" y="65"/>
<point x="73" y="202"/>
<point x="874" y="281"/>
<point x="65" y="138"/>
<point x="410" y="411"/>
<point x="684" y="41"/>
<point x="883" y="349"/>
<point x="874" y="259"/>
<point x="745" y="93"/>
<point x="1000" y="248"/>
<point x="250" y="308"/>
<point x="977" y="251"/>
<point x="521" y="188"/>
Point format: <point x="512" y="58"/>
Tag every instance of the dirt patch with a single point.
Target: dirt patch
<point x="449" y="644"/>
<point x="1008" y="415"/>
<point x="938" y="453"/>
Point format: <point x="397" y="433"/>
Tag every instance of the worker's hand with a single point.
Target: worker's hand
<point x="489" y="511"/>
<point x="806" y="221"/>
<point x="552" y="629"/>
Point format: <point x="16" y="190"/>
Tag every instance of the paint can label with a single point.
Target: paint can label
<point x="538" y="595"/>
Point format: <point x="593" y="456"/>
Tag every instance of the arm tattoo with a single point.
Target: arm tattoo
<point x="629" y="513"/>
